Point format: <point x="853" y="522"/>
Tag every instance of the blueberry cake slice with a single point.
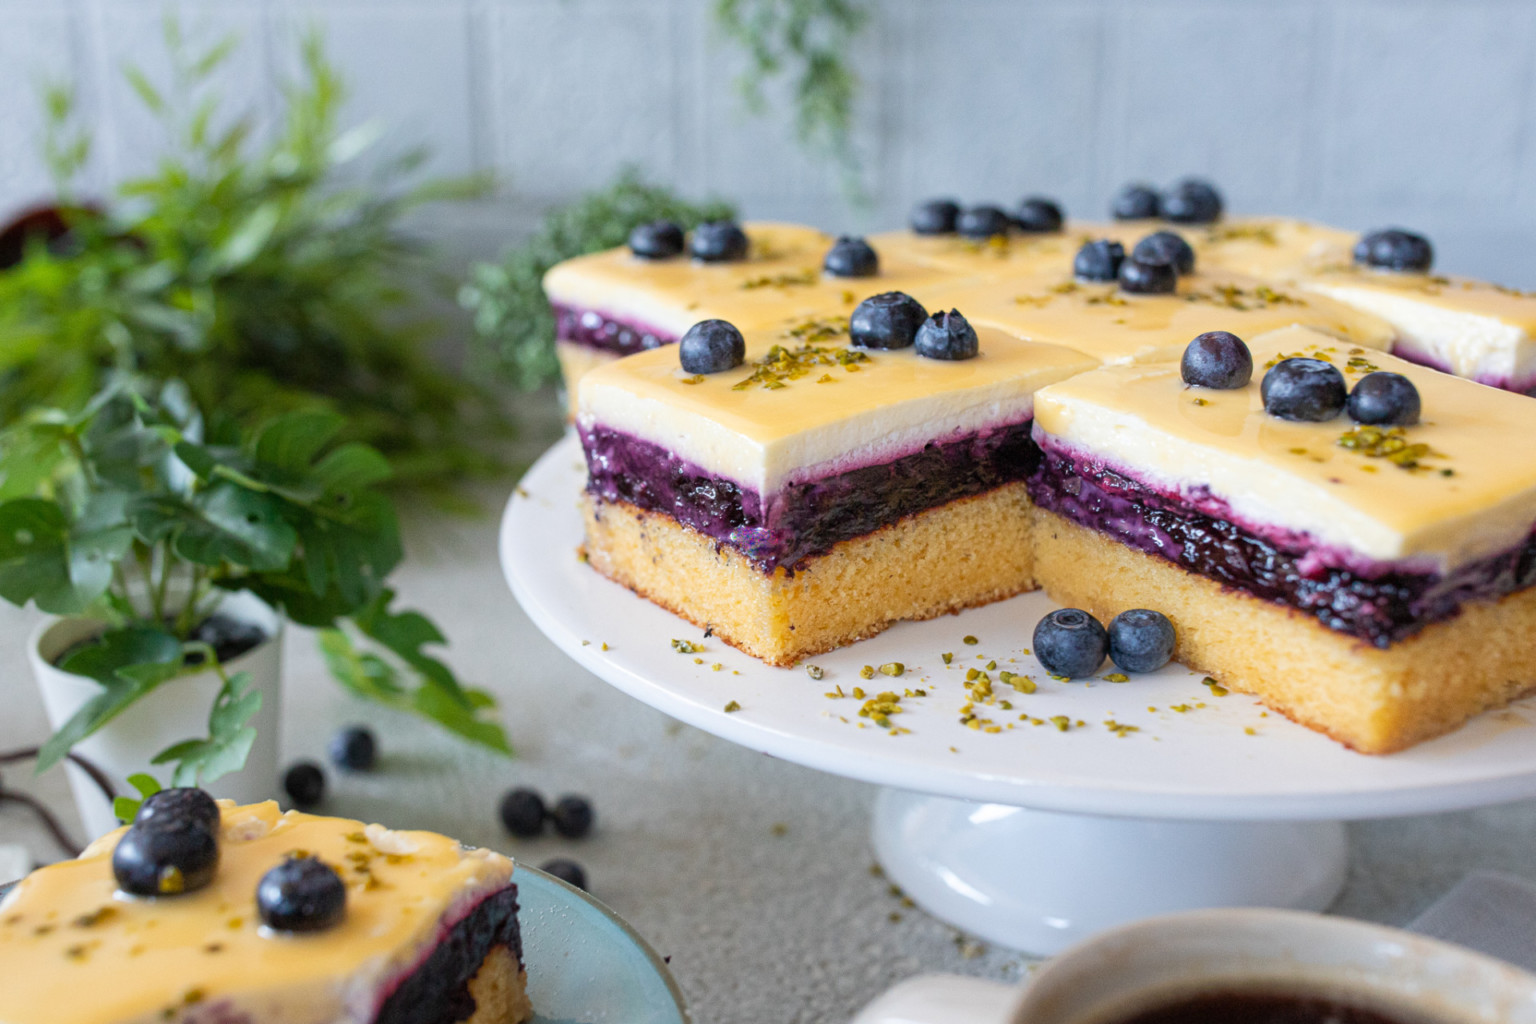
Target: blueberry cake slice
<point x="204" y="914"/>
<point x="1372" y="580"/>
<point x="794" y="496"/>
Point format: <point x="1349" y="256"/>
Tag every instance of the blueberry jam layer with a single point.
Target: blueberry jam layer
<point x="1382" y="606"/>
<point x="808" y="518"/>
<point x="437" y="991"/>
<point x="601" y="331"/>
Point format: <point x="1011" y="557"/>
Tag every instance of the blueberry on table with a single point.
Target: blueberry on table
<point x="304" y="783"/>
<point x="1038" y="215"/>
<point x="567" y="870"/>
<point x="851" y="257"/>
<point x="1395" y="249"/>
<point x="1308" y="390"/>
<point x="1166" y="247"/>
<point x="1217" y="359"/>
<point x="1191" y="201"/>
<point x="1134" y="202"/>
<point x="1384" y="399"/>
<point x="935" y="217"/>
<point x="1140" y="277"/>
<point x="657" y="240"/>
<point x="302" y="894"/>
<point x="1069" y="642"/>
<point x="1141" y="640"/>
<point x="712" y="346"/>
<point x="1098" y="260"/>
<point x="983" y="222"/>
<point x="165" y="857"/>
<point x="183" y="802"/>
<point x="354" y="749"/>
<point x="522" y="812"/>
<point x="719" y="241"/>
<point x="947" y="336"/>
<point x="887" y="320"/>
<point x="572" y="817"/>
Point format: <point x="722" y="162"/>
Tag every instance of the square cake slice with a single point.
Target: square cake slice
<point x="1374" y="583"/>
<point x="819" y="493"/>
<point x="429" y="935"/>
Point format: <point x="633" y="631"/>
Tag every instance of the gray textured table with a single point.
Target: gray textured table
<point x="754" y="875"/>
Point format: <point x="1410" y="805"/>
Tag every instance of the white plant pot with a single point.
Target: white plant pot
<point x="176" y="710"/>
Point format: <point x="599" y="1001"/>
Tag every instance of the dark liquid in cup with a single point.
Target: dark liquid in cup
<point x="1262" y="1008"/>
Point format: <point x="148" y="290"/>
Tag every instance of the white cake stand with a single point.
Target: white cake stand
<point x="1031" y="837"/>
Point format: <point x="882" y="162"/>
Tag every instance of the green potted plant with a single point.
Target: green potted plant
<point x="173" y="547"/>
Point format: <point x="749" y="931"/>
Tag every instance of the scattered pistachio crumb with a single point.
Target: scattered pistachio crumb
<point x="1061" y="722"/>
<point x="892" y="668"/>
<point x="780" y="829"/>
<point x="686" y="647"/>
<point x="969" y="641"/>
<point x="604" y="647"/>
<point x="948" y="657"/>
<point x="698" y="661"/>
<point x="1180" y="708"/>
<point x="716" y="667"/>
<point x="1118" y="677"/>
<point x="586" y="643"/>
<point x="733" y="706"/>
<point x="991" y="665"/>
<point x="1217" y="690"/>
<point x="1120" y="729"/>
<point x="858" y="693"/>
<point x="814" y="671"/>
<point x="867" y="672"/>
<point x="1250" y="730"/>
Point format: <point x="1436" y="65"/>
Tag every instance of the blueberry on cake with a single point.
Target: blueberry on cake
<point x="793" y="491"/>
<point x="1345" y="534"/>
<point x="217" y="914"/>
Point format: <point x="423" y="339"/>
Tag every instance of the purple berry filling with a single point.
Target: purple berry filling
<point x="437" y="991"/>
<point x="806" y="518"/>
<point x="600" y="331"/>
<point x="1524" y="385"/>
<point x="1380" y="603"/>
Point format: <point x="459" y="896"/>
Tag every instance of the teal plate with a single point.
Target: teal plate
<point x="585" y="965"/>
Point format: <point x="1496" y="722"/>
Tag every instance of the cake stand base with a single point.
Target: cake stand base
<point x="1039" y="881"/>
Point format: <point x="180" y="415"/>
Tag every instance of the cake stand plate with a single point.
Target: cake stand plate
<point x="1105" y="811"/>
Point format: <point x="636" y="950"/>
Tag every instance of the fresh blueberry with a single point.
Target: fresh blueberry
<point x="1166" y="247"/>
<point x="1395" y="249"/>
<point x="1386" y="399"/>
<point x="1308" y="390"/>
<point x="1191" y="201"/>
<point x="887" y="320"/>
<point x="712" y="346"/>
<point x="354" y="749"/>
<point x="185" y="803"/>
<point x="572" y="817"/>
<point x="935" y="217"/>
<point x="1217" y="359"/>
<point x="1038" y="215"/>
<point x="567" y="870"/>
<point x="1134" y="202"/>
<point x="947" y="336"/>
<point x="522" y="813"/>
<point x="1141" y="640"/>
<point x="165" y="857"/>
<point x="719" y="241"/>
<point x="982" y="222"/>
<point x="1099" y="260"/>
<point x="1142" y="277"/>
<point x="305" y="784"/>
<point x="658" y="240"/>
<point x="851" y="257"/>
<point x="1070" y="642"/>
<point x="301" y="894"/>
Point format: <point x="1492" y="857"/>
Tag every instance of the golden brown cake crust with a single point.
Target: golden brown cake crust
<point x="500" y="990"/>
<point x="1375" y="701"/>
<point x="967" y="552"/>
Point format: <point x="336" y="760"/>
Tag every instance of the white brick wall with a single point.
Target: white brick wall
<point x="1364" y="113"/>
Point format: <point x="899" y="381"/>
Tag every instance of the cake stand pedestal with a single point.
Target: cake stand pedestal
<point x="1092" y="803"/>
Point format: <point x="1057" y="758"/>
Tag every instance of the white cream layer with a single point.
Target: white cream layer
<point x="1294" y="476"/>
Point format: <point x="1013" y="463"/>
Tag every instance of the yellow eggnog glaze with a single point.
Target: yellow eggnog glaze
<point x="763" y="437"/>
<point x="1144" y="419"/>
<point x="74" y="951"/>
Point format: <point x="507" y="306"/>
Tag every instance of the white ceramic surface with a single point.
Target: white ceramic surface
<point x="1199" y="764"/>
<point x="1042" y="880"/>
<point x="1160" y="958"/>
<point x="175" y="711"/>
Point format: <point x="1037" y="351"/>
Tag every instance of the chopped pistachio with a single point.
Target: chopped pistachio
<point x="814" y="671"/>
<point x="867" y="672"/>
<point x="733" y="706"/>
<point x="1118" y="677"/>
<point x="686" y="647"/>
<point x="948" y="657"/>
<point x="892" y="668"/>
<point x="969" y="641"/>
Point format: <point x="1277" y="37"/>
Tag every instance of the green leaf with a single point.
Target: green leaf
<point x="126" y="808"/>
<point x="131" y="683"/>
<point x="351" y="467"/>
<point x="291" y="442"/>
<point x="148" y="94"/>
<point x="249" y="238"/>
<point x="119" y="648"/>
<point x="34" y="557"/>
<point x="232" y="524"/>
<point x="229" y="737"/>
<point x="405" y="634"/>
